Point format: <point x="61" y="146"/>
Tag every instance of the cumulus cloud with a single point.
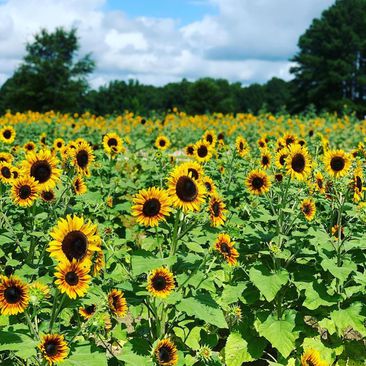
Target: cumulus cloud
<point x="246" y="40"/>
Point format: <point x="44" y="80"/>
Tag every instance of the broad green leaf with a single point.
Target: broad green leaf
<point x="236" y="351"/>
<point x="145" y="262"/>
<point x="231" y="294"/>
<point x="204" y="308"/>
<point x="342" y="272"/>
<point x="316" y="295"/>
<point x="280" y="333"/>
<point x="328" y="354"/>
<point x="86" y="355"/>
<point x="23" y="345"/>
<point x="268" y="283"/>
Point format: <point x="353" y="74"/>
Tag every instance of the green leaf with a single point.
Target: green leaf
<point x="268" y="283"/>
<point x="132" y="359"/>
<point x="23" y="345"/>
<point x="144" y="262"/>
<point x="316" y="295"/>
<point x="342" y="272"/>
<point x="231" y="294"/>
<point x="236" y="350"/>
<point x="205" y="308"/>
<point x="86" y="355"/>
<point x="280" y="333"/>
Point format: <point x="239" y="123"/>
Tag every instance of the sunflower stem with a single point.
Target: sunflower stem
<point x="175" y="233"/>
<point x="159" y="244"/>
<point x="53" y="311"/>
<point x="30" y="324"/>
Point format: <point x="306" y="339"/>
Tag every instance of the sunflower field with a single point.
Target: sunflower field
<point x="182" y="240"/>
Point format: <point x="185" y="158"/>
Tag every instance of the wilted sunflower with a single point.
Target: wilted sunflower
<point x="5" y="173"/>
<point x="79" y="185"/>
<point x="217" y="210"/>
<point x="357" y="184"/>
<point x="312" y="358"/>
<point x="24" y="191"/>
<point x="209" y="185"/>
<point x="308" y="208"/>
<point x="82" y="157"/>
<point x="185" y="191"/>
<point x="258" y="182"/>
<point x="337" y="163"/>
<point x="59" y="143"/>
<point x="194" y="168"/>
<point x="72" y="278"/>
<point x="151" y="206"/>
<point x="112" y="143"/>
<point x="160" y="282"/>
<point x="281" y="157"/>
<point x="29" y="146"/>
<point x="225" y="246"/>
<point x="298" y="162"/>
<point x="54" y="348"/>
<point x="87" y="311"/>
<point x="42" y="166"/>
<point x="210" y="137"/>
<point x="265" y="159"/>
<point x="242" y="146"/>
<point x="319" y="182"/>
<point x="74" y="239"/>
<point x="189" y="150"/>
<point x="162" y="142"/>
<point x="48" y="196"/>
<point x="14" y="296"/>
<point x="7" y="134"/>
<point x="202" y="151"/>
<point x="117" y="303"/>
<point x="166" y="353"/>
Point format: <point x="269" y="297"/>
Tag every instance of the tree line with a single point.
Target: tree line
<point x="329" y="74"/>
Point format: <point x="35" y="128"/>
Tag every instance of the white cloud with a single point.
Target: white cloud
<point x="248" y="40"/>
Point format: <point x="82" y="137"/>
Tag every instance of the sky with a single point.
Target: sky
<point x="161" y="41"/>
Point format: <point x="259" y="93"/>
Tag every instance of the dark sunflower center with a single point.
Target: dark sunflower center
<point x="51" y="349"/>
<point x="2" y="159"/>
<point x="5" y="171"/>
<point x="202" y="151"/>
<point x="358" y="183"/>
<point x="186" y="189"/>
<point x="12" y="295"/>
<point x="265" y="160"/>
<point x="257" y="182"/>
<point x="209" y="139"/>
<point x="298" y="163"/>
<point x="72" y="278"/>
<point x="75" y="245"/>
<point x="279" y="177"/>
<point x="165" y="354"/>
<point x="112" y="142"/>
<point x="29" y="147"/>
<point x="208" y="186"/>
<point x="151" y="207"/>
<point x="115" y="302"/>
<point x="190" y="150"/>
<point x="225" y="248"/>
<point x="337" y="163"/>
<point x="220" y="136"/>
<point x="306" y="209"/>
<point x="59" y="144"/>
<point x="262" y="144"/>
<point x="283" y="159"/>
<point x="311" y="133"/>
<point x="289" y="141"/>
<point x="41" y="171"/>
<point x="7" y="134"/>
<point x="48" y="195"/>
<point x="162" y="143"/>
<point x="82" y="158"/>
<point x="159" y="283"/>
<point x="15" y="174"/>
<point x="90" y="309"/>
<point x="310" y="363"/>
<point x="320" y="183"/>
<point x="25" y="192"/>
<point x="77" y="185"/>
<point x="43" y="140"/>
<point x="241" y="146"/>
<point x="216" y="209"/>
<point x="194" y="173"/>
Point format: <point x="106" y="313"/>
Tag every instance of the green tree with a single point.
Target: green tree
<point x="50" y="76"/>
<point x="330" y="67"/>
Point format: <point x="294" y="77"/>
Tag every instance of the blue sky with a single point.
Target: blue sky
<point x="162" y="41"/>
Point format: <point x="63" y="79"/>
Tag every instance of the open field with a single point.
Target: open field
<point x="206" y="240"/>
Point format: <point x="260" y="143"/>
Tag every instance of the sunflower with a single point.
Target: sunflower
<point x="258" y="182"/>
<point x="298" y="163"/>
<point x="72" y="278"/>
<point x="117" y="303"/>
<point x="5" y="173"/>
<point x="281" y="157"/>
<point x="209" y="185"/>
<point x="82" y="157"/>
<point x="151" y="206"/>
<point x="38" y="292"/>
<point x="242" y="146"/>
<point x="225" y="247"/>
<point x="42" y="166"/>
<point x="74" y="239"/>
<point x="279" y="177"/>
<point x="29" y="146"/>
<point x="48" y="196"/>
<point x="54" y="348"/>
<point x="194" y="168"/>
<point x="202" y="151"/>
<point x="7" y="134"/>
<point x="189" y="150"/>
<point x="87" y="311"/>
<point x="59" y="143"/>
<point x="112" y="143"/>
<point x="337" y="163"/>
<point x="357" y="184"/>
<point x="319" y="182"/>
<point x="15" y="172"/>
<point x="312" y="358"/>
<point x="217" y="210"/>
<point x="43" y="138"/>
<point x="184" y="191"/>
<point x="162" y="142"/>
<point x="79" y="185"/>
<point x="166" y="353"/>
<point x="289" y="139"/>
<point x="308" y="208"/>
<point x="160" y="282"/>
<point x="335" y="231"/>
<point x="265" y="159"/>
<point x="6" y="157"/>
<point x="98" y="263"/>
<point x="210" y="137"/>
<point x="14" y="296"/>
<point x="24" y="191"/>
<point x="262" y="143"/>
